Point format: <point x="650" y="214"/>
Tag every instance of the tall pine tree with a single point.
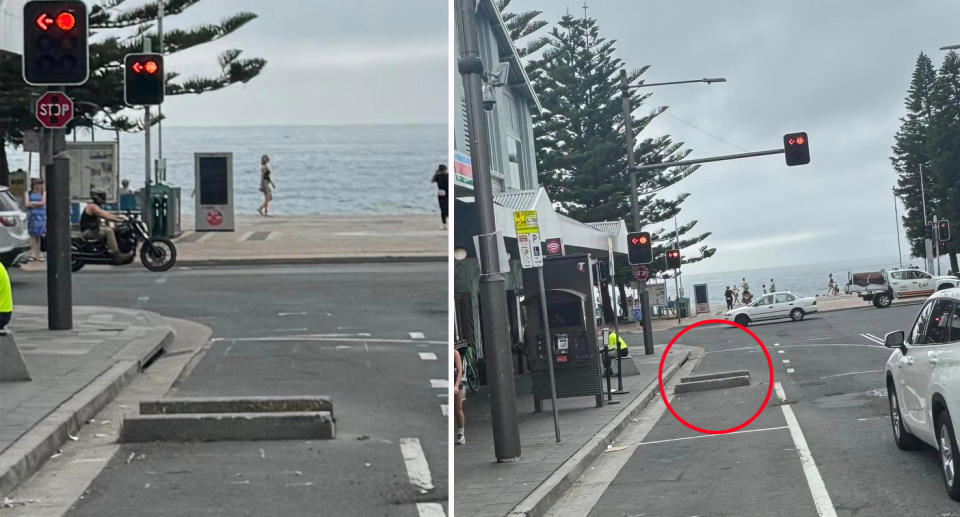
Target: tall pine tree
<point x="943" y="146"/>
<point x="910" y="152"/>
<point x="581" y="145"/>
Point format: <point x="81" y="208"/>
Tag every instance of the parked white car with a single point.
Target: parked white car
<point x="14" y="240"/>
<point x="882" y="287"/>
<point x="771" y="306"/>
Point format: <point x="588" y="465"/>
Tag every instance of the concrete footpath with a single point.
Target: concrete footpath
<point x="75" y="374"/>
<point x="546" y="468"/>
<point x="315" y="240"/>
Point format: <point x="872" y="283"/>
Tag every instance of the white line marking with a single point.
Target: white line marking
<point x="430" y="510"/>
<point x="245" y="236"/>
<point x="786" y="361"/>
<point x="710" y="435"/>
<point x="439" y="383"/>
<point x="291" y="314"/>
<point x="815" y="338"/>
<point x="779" y="351"/>
<point x="850" y="373"/>
<point x="417" y="335"/>
<point x="161" y="280"/>
<point x="428" y="356"/>
<point x="205" y="237"/>
<point x="444" y="409"/>
<point x="776" y="344"/>
<point x="343" y="347"/>
<point x="790" y="370"/>
<point x="417" y="468"/>
<point x="871" y="337"/>
<point x="322" y="339"/>
<point x="821" y="499"/>
<point x="143" y="299"/>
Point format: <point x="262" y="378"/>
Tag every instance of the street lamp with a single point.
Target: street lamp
<point x="634" y="202"/>
<point x="950" y="47"/>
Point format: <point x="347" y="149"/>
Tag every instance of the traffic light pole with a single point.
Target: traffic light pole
<point x="639" y="285"/>
<point x="59" y="283"/>
<point x="936" y="242"/>
<point x="681" y="163"/>
<point x="492" y="286"/>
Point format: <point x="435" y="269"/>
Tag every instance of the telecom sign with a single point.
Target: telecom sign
<point x="54" y="110"/>
<point x="528" y="238"/>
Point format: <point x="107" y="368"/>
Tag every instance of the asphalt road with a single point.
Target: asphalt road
<point x="371" y="336"/>
<point x="833" y="384"/>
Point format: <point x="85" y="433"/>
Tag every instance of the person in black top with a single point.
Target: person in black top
<point x="728" y="294"/>
<point x="442" y="179"/>
<point x="91" y="229"/>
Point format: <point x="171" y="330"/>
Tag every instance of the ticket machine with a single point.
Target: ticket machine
<point x="213" y="176"/>
<point x="568" y="284"/>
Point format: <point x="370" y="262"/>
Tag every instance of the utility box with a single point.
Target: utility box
<point x="163" y="209"/>
<point x="568" y="284"/>
<point x="213" y="176"/>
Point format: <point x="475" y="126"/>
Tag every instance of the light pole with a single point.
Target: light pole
<point x="625" y="89"/>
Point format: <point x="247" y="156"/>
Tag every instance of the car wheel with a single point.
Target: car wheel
<point x="882" y="300"/>
<point x="796" y="314"/>
<point x="904" y="440"/>
<point x="949" y="457"/>
<point x="742" y="320"/>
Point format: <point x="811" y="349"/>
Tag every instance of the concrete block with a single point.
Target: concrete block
<point x="717" y="375"/>
<point x="227" y="426"/>
<point x="12" y="367"/>
<point x="628" y="364"/>
<point x="712" y="384"/>
<point x="188" y="405"/>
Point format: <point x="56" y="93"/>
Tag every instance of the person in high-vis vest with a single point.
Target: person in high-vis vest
<point x="6" y="299"/>
<point x="612" y="345"/>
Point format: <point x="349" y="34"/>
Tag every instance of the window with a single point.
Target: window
<point x="921" y="275"/>
<point x="766" y="300"/>
<point x="937" y="329"/>
<point x="917" y="333"/>
<point x="784" y="298"/>
<point x="896" y="275"/>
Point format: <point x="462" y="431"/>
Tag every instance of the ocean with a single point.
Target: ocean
<point x="328" y="170"/>
<point x="805" y="279"/>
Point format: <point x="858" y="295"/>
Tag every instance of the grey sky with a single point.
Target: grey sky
<point x="838" y="70"/>
<point x="329" y="62"/>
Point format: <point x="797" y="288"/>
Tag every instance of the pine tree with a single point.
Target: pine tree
<point x="115" y="32"/>
<point x="522" y="25"/>
<point x="580" y="141"/>
<point x="943" y="146"/>
<point x="910" y="152"/>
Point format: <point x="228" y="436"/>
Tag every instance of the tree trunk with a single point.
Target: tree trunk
<point x="605" y="301"/>
<point x="4" y="166"/>
<point x="622" y="299"/>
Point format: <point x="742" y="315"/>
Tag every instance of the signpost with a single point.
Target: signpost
<point x="528" y="239"/>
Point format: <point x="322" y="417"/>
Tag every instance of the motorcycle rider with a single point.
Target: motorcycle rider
<point x="91" y="229"/>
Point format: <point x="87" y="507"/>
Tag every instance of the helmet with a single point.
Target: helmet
<point x="98" y="195"/>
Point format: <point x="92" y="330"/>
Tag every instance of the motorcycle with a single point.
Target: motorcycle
<point x="155" y="254"/>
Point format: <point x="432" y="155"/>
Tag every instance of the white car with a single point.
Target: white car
<point x="923" y="383"/>
<point x="771" y="306"/>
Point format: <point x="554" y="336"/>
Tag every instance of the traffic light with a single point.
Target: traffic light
<point x="55" y="42"/>
<point x="673" y="259"/>
<point x="143" y="79"/>
<point x="639" y="248"/>
<point x="796" y="148"/>
<point x="943" y="231"/>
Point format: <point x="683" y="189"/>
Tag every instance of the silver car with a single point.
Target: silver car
<point x="14" y="240"/>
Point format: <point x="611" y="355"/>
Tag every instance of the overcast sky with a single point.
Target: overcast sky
<point x="838" y="70"/>
<point x="329" y="62"/>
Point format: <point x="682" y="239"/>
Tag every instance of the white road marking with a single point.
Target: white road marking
<point x="322" y="339"/>
<point x="711" y="435"/>
<point x="201" y="239"/>
<point x="779" y="351"/>
<point x="815" y="338"/>
<point x="245" y="236"/>
<point x="776" y="344"/>
<point x="430" y="510"/>
<point x="439" y="383"/>
<point x="417" y="335"/>
<point x="428" y="356"/>
<point x="291" y="314"/>
<point x="143" y="299"/>
<point x="343" y="347"/>
<point x="786" y="361"/>
<point x="444" y="409"/>
<point x="417" y="468"/>
<point x="790" y="370"/>
<point x="850" y="373"/>
<point x="161" y="280"/>
<point x="871" y="337"/>
<point x="821" y="498"/>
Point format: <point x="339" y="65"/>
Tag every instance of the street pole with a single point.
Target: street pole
<point x="616" y="319"/>
<point x="159" y="107"/>
<point x="146" y="147"/>
<point x="492" y="286"/>
<point x="549" y="341"/>
<point x="926" y="240"/>
<point x="59" y="285"/>
<point x="639" y="285"/>
<point x="896" y="220"/>
<point x="936" y="242"/>
<point x="676" y="272"/>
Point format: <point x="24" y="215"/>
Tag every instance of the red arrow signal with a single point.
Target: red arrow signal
<point x="136" y="67"/>
<point x="44" y="21"/>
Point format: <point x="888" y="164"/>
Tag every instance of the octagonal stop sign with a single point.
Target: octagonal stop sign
<point x="54" y="110"/>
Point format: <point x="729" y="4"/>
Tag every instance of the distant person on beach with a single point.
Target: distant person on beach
<point x="736" y="294"/>
<point x="745" y="285"/>
<point x="36" y="204"/>
<point x="747" y="297"/>
<point x="773" y="287"/>
<point x="266" y="186"/>
<point x="728" y="296"/>
<point x="442" y="179"/>
<point x="763" y="289"/>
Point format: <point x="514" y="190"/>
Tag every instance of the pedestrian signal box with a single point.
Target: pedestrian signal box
<point x="943" y="231"/>
<point x="639" y="248"/>
<point x="55" y="43"/>
<point x="796" y="148"/>
<point x="673" y="259"/>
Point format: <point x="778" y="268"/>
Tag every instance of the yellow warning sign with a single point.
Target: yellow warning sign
<point x="525" y="221"/>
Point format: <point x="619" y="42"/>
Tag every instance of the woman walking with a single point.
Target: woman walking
<point x="442" y="179"/>
<point x="266" y="186"/>
<point x="36" y="204"/>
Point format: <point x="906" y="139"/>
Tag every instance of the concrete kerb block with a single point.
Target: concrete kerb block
<point x="12" y="366"/>
<point x="713" y="383"/>
<point x="228" y="426"/>
<point x="717" y="375"/>
<point x="192" y="405"/>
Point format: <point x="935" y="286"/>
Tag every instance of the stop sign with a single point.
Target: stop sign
<point x="54" y="110"/>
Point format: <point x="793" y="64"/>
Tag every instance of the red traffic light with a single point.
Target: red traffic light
<point x="44" y="21"/>
<point x="151" y="67"/>
<point x="66" y="21"/>
<point x="136" y="67"/>
<point x="642" y="239"/>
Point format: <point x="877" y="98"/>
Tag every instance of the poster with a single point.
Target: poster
<point x="92" y="165"/>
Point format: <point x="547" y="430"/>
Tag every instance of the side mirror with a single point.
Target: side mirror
<point x="894" y="339"/>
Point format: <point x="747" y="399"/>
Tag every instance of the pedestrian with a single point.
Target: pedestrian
<point x="612" y="345"/>
<point x="728" y="295"/>
<point x="36" y="204"/>
<point x="266" y="186"/>
<point x="736" y="294"/>
<point x="458" y="396"/>
<point x="6" y="299"/>
<point x="763" y="289"/>
<point x="745" y="285"/>
<point x="442" y="179"/>
<point x="125" y="187"/>
<point x="773" y="287"/>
